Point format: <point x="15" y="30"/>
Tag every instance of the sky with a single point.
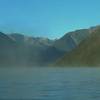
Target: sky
<point x="48" y="18"/>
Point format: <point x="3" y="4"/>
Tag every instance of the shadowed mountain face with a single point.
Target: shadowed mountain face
<point x="29" y="49"/>
<point x="7" y="50"/>
<point x="20" y="50"/>
<point x="86" y="54"/>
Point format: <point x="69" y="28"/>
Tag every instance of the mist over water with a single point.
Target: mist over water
<point x="50" y="83"/>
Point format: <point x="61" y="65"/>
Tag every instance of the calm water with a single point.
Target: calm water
<point x="50" y="84"/>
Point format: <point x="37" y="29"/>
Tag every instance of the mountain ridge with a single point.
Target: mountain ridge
<point x="86" y="54"/>
<point x="21" y="50"/>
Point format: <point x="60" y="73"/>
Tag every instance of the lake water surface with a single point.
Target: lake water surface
<point x="50" y="83"/>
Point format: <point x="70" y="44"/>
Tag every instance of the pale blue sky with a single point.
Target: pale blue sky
<point x="48" y="18"/>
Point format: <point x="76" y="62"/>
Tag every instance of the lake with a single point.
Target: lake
<point x="50" y="83"/>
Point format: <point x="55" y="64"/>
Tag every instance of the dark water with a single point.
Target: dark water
<point x="50" y="84"/>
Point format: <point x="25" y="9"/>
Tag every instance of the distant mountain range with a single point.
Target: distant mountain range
<point x="74" y="48"/>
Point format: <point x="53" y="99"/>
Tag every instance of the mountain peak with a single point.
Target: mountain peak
<point x="95" y="28"/>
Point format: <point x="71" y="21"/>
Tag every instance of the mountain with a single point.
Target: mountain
<point x="50" y="55"/>
<point x="30" y="40"/>
<point x="43" y="51"/>
<point x="86" y="54"/>
<point x="30" y="49"/>
<point x="71" y="40"/>
<point x="7" y="50"/>
<point x="20" y="50"/>
<point x="35" y="51"/>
